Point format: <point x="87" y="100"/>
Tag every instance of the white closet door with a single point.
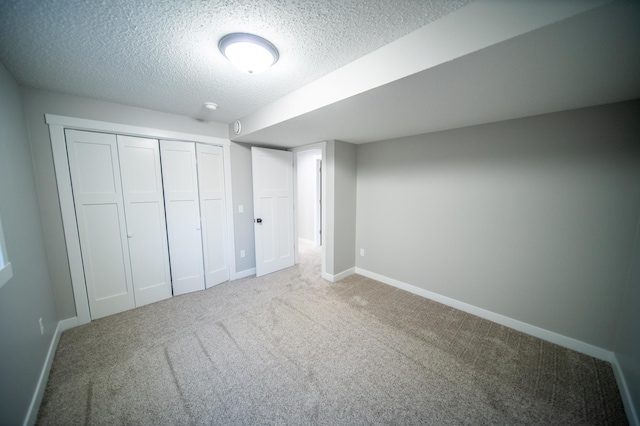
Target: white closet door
<point x="144" y="211"/>
<point x="95" y="177"/>
<point x="213" y="213"/>
<point x="180" y="178"/>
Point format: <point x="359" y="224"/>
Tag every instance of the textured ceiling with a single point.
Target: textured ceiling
<point x="589" y="55"/>
<point x="162" y="55"/>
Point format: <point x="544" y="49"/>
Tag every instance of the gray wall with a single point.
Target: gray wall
<point x="344" y="214"/>
<point x="532" y="218"/>
<point x="28" y="296"/>
<point x="241" y="176"/>
<point x="36" y="104"/>
<point x="627" y="347"/>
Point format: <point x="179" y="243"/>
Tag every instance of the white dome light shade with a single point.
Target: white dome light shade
<point x="249" y="53"/>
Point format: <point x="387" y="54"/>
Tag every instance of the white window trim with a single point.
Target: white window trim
<point x="6" y="273"/>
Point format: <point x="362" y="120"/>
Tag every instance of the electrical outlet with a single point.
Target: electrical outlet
<point x="242" y="253"/>
<point x="41" y="326"/>
<point x="361" y="252"/>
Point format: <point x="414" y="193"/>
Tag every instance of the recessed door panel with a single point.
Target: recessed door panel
<point x="94" y="167"/>
<point x="148" y="248"/>
<point x="284" y="218"/>
<point x="213" y="214"/>
<point x="267" y="230"/>
<point x="105" y="254"/>
<point x="211" y="174"/>
<point x="185" y="238"/>
<point x="140" y="165"/>
<point x="179" y="163"/>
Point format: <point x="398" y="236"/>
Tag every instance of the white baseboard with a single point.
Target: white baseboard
<point x="627" y="401"/>
<point x="550" y="336"/>
<point x="327" y="277"/>
<point x="524" y="327"/>
<point x="338" y="277"/>
<point x="243" y="274"/>
<point x="68" y="324"/>
<point x="36" y="400"/>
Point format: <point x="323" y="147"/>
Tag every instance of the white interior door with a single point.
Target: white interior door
<point x="180" y="178"/>
<point x="273" y="209"/>
<point x="213" y="213"/>
<point x="144" y="211"/>
<point x="95" y="177"/>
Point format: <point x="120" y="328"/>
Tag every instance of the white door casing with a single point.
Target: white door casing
<point x="144" y="212"/>
<point x="180" y="178"/>
<point x="273" y="209"/>
<point x="99" y="206"/>
<point x="318" y="202"/>
<point x="213" y="213"/>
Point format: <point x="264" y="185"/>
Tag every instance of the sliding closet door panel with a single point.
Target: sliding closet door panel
<point x="97" y="192"/>
<point x="144" y="211"/>
<point x="179" y="175"/>
<point x="213" y="213"/>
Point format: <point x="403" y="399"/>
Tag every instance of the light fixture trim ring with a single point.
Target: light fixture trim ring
<point x="233" y="38"/>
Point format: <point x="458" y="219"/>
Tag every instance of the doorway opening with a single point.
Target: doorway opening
<point x="309" y="196"/>
<point x="310" y="193"/>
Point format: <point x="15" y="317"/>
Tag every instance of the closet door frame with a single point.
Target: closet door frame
<point x="57" y="124"/>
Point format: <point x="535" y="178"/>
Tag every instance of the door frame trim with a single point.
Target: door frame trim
<point x="57" y="124"/>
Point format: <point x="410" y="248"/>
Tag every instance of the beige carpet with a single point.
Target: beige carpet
<point x="291" y="348"/>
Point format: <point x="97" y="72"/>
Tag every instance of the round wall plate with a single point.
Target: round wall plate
<point x="237" y="127"/>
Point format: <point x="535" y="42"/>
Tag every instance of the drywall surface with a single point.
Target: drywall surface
<point x="329" y="230"/>
<point x="627" y="346"/>
<point x="28" y="296"/>
<point x="533" y="218"/>
<point x="243" y="196"/>
<point x="344" y="220"/>
<point x="37" y="103"/>
<point x="307" y="191"/>
<point x="480" y="25"/>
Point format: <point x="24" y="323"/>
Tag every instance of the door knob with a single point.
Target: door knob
<point x="129" y="234"/>
<point x="259" y="220"/>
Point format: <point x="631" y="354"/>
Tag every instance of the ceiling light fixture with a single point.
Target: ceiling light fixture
<point x="249" y="53"/>
<point x="211" y="105"/>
